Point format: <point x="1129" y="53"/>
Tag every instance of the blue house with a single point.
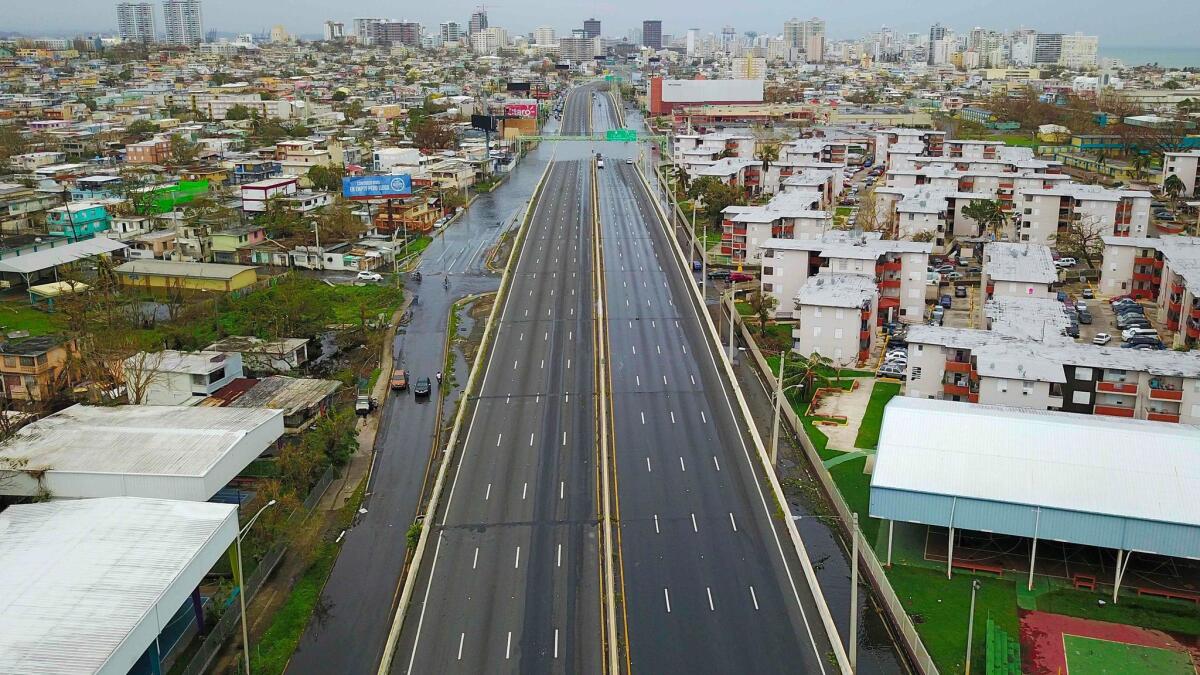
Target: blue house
<point x="78" y="220"/>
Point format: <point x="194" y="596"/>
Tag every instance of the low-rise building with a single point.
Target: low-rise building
<point x="257" y="195"/>
<point x="836" y="317"/>
<point x="1165" y="270"/>
<point x="1186" y="167"/>
<point x="178" y="378"/>
<point x="1017" y="271"/>
<point x="265" y="357"/>
<point x="173" y="275"/>
<point x="32" y="369"/>
<point x="790" y="215"/>
<point x="78" y="220"/>
<point x="154" y="151"/>
<point x="1045" y="214"/>
<point x="228" y="244"/>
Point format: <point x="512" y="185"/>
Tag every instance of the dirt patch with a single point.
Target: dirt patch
<point x="478" y="313"/>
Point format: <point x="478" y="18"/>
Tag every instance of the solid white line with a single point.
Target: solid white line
<point x="716" y="462"/>
<point x="558" y="559"/>
<point x="524" y="490"/>
<point x="461" y="638"/>
<point x="667" y="597"/>
<point x="754" y="597"/>
<point x="656" y="524"/>
<point x="475" y="562"/>
<point x="556" y="643"/>
<point x="508" y="647"/>
<point x="681" y="466"/>
<point x="694" y="527"/>
<point x="648" y="465"/>
<point x="498" y="437"/>
<point x="732" y="521"/>
<point x="487" y="494"/>
<point x="708" y="589"/>
<point x="517" y="561"/>
<point x="672" y="417"/>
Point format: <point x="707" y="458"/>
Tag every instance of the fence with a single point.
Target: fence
<point x="227" y="625"/>
<point x="870" y="567"/>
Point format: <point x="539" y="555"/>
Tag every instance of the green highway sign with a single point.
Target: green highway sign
<point x="612" y="78"/>
<point x="627" y="135"/>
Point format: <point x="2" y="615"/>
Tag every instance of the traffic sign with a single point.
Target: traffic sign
<point x="625" y="135"/>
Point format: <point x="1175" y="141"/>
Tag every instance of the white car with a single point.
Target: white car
<point x="1130" y="333"/>
<point x="1064" y="263"/>
<point x="629" y="161"/>
<point x="369" y="276"/>
<point x="1102" y="339"/>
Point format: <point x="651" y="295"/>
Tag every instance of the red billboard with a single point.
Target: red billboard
<point x="524" y="109"/>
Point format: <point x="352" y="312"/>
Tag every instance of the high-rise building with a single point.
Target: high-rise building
<point x="1047" y="48"/>
<point x="544" y="35"/>
<point x="334" y="30"/>
<point x="804" y="39"/>
<point x="135" y="21"/>
<point x="451" y="31"/>
<point x="489" y="40"/>
<point x="183" y="22"/>
<point x="1079" y="51"/>
<point x="936" y="32"/>
<point x="591" y="28"/>
<point x="578" y="49"/>
<point x="728" y="39"/>
<point x="652" y="34"/>
<point x="407" y="33"/>
<point x="478" y="21"/>
<point x="692" y="38"/>
<point x="364" y="29"/>
<point x="748" y="67"/>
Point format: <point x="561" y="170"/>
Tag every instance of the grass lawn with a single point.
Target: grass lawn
<point x="843" y="211"/>
<point x="1018" y="140"/>
<point x="826" y="372"/>
<point x="940" y="608"/>
<point x="1090" y="655"/>
<point x="1156" y="613"/>
<point x="21" y="315"/>
<point x="417" y="245"/>
<point x="270" y="655"/>
<point x="868" y="433"/>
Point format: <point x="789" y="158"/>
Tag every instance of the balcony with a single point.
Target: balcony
<point x="889" y="283"/>
<point x="864" y="335"/>
<point x="890" y="266"/>
<point x="1114" y="410"/>
<point x="1162" y="417"/>
<point x="973" y="397"/>
<point x="1143" y="276"/>
<point x="956" y="389"/>
<point x="1174" y="305"/>
<point x="1144" y="260"/>
<point x="958" y="366"/>
<point x="1166" y="394"/>
<point x="1128" y="388"/>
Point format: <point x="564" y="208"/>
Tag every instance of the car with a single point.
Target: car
<point x="399" y="379"/>
<point x="1085" y="317"/>
<point x="937" y="315"/>
<point x="718" y="274"/>
<point x="946" y="301"/>
<point x="1144" y="340"/>
<point x="740" y="277"/>
<point x="954" y="276"/>
<point x="369" y="276"/>
<point x="1064" y="263"/>
<point x="364" y="404"/>
<point x="1102" y="339"/>
<point x="974" y="270"/>
<point x="1129" y="308"/>
<point x="1072" y="330"/>
<point x="1130" y="333"/>
<point x="1088" y="294"/>
<point x="944" y="269"/>
<point x="1080" y="306"/>
<point x="629" y="161"/>
<point x="1131" y="321"/>
<point x="1146" y="346"/>
<point x="933" y="279"/>
<point x="890" y="371"/>
<point x="960" y="291"/>
<point x="423" y="388"/>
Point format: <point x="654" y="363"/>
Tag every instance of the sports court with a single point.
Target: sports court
<point x="1053" y="644"/>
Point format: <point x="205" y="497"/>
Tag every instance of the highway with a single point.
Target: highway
<point x="710" y="581"/>
<point x="514" y="580"/>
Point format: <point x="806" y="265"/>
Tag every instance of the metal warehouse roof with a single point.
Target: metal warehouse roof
<point x="1086" y="479"/>
<point x="89" y="584"/>
<point x="59" y="255"/>
<point x="173" y="452"/>
<point x="191" y="270"/>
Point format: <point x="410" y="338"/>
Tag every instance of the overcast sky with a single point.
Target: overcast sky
<point x="1143" y="23"/>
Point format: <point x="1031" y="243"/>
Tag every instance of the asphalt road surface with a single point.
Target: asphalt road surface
<point x="513" y="585"/>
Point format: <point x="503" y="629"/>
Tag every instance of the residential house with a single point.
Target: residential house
<point x="227" y="244"/>
<point x="172" y="377"/>
<point x="78" y="220"/>
<point x="155" y="245"/>
<point x="265" y="357"/>
<point x="22" y="208"/>
<point x="256" y="195"/>
<point x="32" y="368"/>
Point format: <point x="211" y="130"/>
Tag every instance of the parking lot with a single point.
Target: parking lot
<point x="1103" y="317"/>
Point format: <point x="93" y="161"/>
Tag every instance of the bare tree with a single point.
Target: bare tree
<point x="140" y="371"/>
<point x="1083" y="239"/>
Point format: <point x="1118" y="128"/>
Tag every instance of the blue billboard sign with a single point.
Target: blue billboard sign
<point x="377" y="187"/>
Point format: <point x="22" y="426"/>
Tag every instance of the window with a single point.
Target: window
<point x="837" y="333"/>
<point x="839" y="314"/>
<point x="27" y="361"/>
<point x="817" y="312"/>
<point x="817" y="331"/>
<point x="768" y="287"/>
<point x="914" y="373"/>
<point x="1081" y="397"/>
<point x="1026" y="388"/>
<point x="1083" y="374"/>
<point x="1002" y="386"/>
<point x="768" y="271"/>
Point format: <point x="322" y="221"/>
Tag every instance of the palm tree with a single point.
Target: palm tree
<point x="1140" y="163"/>
<point x="807" y="371"/>
<point x="1173" y="186"/>
<point x="766" y="154"/>
<point x="989" y="213"/>
<point x="762" y="304"/>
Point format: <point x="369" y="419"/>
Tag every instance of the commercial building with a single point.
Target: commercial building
<point x="1119" y="484"/>
<point x="183" y="22"/>
<point x="101" y="579"/>
<point x="135" y="22"/>
<point x="478" y="22"/>
<point x="667" y="95"/>
<point x="170" y="275"/>
<point x="155" y="451"/>
<point x="488" y="41"/>
<point x="652" y="34"/>
<point x="256" y="195"/>
<point x="591" y="28"/>
<point x="578" y="49"/>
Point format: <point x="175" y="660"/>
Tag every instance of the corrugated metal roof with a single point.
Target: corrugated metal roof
<point x="60" y="255"/>
<point x="1083" y="463"/>
<point x="89" y="584"/>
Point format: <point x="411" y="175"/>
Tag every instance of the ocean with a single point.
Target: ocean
<point x="1167" y="57"/>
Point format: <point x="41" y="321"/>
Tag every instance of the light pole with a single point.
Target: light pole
<point x="242" y="584"/>
<point x="778" y="405"/>
<point x="854" y="594"/>
<point x="971" y="626"/>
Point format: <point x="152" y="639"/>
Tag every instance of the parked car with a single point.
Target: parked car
<point x="399" y="379"/>
<point x="1102" y="339"/>
<point x="944" y="269"/>
<point x="1063" y="263"/>
<point x="1085" y="317"/>
<point x="1080" y="306"/>
<point x="423" y="387"/>
<point x="953" y="276"/>
<point x="938" y="315"/>
<point x="718" y="274"/>
<point x="1152" y="342"/>
<point x="369" y="276"/>
<point x="1072" y="330"/>
<point x="1088" y="294"/>
<point x="1130" y="333"/>
<point x="363" y="405"/>
<point x="960" y="291"/>
<point x="740" y="277"/>
<point x="946" y="301"/>
<point x="891" y="371"/>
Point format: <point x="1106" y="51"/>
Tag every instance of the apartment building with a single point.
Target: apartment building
<point x="183" y="22"/>
<point x="32" y="368"/>
<point x="992" y="369"/>
<point x="926" y="211"/>
<point x="823" y="150"/>
<point x="789" y="215"/>
<point x="78" y="220"/>
<point x="153" y="151"/>
<point x="908" y="143"/>
<point x="836" y="317"/>
<point x="1017" y="270"/>
<point x="1000" y="182"/>
<point x="693" y="151"/>
<point x="971" y="149"/>
<point x="898" y="268"/>
<point x="257" y="195"/>
<point x="1165" y="270"/>
<point x="135" y="22"/>
<point x="1183" y="165"/>
<point x="1042" y="214"/>
<point x="172" y="377"/>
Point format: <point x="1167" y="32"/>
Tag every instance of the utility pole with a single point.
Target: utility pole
<point x="971" y="627"/>
<point x="854" y="594"/>
<point x="778" y="409"/>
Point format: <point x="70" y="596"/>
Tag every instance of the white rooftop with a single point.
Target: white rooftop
<point x="836" y="290"/>
<point x="172" y="452"/>
<point x="1029" y="263"/>
<point x="1079" y="463"/>
<point x="89" y="584"/>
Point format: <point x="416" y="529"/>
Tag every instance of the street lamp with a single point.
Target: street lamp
<point x="971" y="626"/>
<point x="242" y="583"/>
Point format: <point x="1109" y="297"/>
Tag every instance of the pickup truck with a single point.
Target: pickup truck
<point x="363" y="405"/>
<point x="399" y="379"/>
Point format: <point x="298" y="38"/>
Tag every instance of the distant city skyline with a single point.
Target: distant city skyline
<point x="1116" y="23"/>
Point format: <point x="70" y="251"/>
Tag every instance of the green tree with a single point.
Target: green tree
<point x="340" y="95"/>
<point x="1139" y="164"/>
<point x="990" y="215"/>
<point x="237" y="112"/>
<point x="182" y="151"/>
<point x="142" y="129"/>
<point x="1174" y="187"/>
<point x="715" y="195"/>
<point x="767" y="153"/>
<point x="763" y="305"/>
<point x="328" y="178"/>
<point x="432" y="134"/>
<point x="11" y="142"/>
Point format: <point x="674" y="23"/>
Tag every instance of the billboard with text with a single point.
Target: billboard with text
<point x="377" y="187"/>
<point x="524" y="109"/>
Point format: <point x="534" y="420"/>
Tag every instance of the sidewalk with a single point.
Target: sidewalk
<point x="359" y="466"/>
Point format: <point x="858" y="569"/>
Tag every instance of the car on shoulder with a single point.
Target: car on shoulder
<point x="1102" y="339"/>
<point x="369" y="276"/>
<point x="399" y="379"/>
